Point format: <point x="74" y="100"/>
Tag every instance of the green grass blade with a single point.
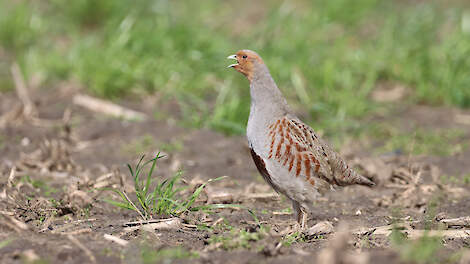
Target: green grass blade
<point x="254" y="216"/>
<point x="130" y="169"/>
<point x="149" y="175"/>
<point x="197" y="192"/>
<point x="119" y="204"/>
<point x="138" y="169"/>
<point x="216" y="206"/>
<point x="166" y="205"/>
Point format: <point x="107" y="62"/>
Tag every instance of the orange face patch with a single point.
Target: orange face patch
<point x="245" y="62"/>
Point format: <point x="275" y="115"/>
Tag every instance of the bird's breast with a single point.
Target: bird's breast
<point x="257" y="135"/>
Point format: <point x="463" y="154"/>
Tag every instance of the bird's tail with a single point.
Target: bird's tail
<point x="362" y="180"/>
<point x="347" y="176"/>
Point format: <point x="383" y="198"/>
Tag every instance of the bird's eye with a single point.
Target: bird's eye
<point x="244" y="56"/>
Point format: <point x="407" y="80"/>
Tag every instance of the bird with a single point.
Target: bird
<point x="288" y="153"/>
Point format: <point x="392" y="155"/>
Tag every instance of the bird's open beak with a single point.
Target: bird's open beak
<point x="232" y="57"/>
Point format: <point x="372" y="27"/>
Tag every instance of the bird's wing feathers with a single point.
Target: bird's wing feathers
<point x="293" y="150"/>
<point x="297" y="146"/>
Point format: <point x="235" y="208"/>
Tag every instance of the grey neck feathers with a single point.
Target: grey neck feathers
<point x="266" y="98"/>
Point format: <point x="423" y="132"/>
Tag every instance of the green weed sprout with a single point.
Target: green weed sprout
<point x="163" y="199"/>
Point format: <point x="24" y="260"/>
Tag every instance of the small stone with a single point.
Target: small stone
<point x="321" y="228"/>
<point x="25" y="141"/>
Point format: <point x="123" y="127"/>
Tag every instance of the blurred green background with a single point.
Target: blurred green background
<point x="326" y="56"/>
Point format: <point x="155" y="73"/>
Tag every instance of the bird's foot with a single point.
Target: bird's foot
<point x="293" y="230"/>
<point x="300" y="227"/>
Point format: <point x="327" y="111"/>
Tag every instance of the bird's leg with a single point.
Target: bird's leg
<point x="301" y="217"/>
<point x="304" y="218"/>
<point x="296" y="208"/>
<point x="299" y="214"/>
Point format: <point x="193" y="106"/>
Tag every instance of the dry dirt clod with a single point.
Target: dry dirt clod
<point x="321" y="228"/>
<point x="388" y="92"/>
<point x="219" y="196"/>
<point x="459" y="222"/>
<point x="440" y="216"/>
<point x="272" y="250"/>
<point x="377" y="169"/>
<point x="79" y="199"/>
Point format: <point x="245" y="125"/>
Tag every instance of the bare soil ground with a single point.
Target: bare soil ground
<point x="52" y="207"/>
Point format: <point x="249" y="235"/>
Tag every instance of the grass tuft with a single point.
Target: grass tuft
<point x="162" y="199"/>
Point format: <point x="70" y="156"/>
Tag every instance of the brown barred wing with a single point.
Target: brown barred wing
<point x="339" y="171"/>
<point x="290" y="147"/>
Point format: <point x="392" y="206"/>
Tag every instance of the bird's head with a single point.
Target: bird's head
<point x="247" y="62"/>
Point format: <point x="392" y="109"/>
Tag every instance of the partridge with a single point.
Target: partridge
<point x="288" y="153"/>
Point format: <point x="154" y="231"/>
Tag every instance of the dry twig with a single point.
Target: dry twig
<point x="13" y="223"/>
<point x="146" y="222"/>
<point x="116" y="240"/>
<point x="459" y="222"/>
<point x="262" y="196"/>
<point x="101" y="106"/>
<point x="413" y="233"/>
<point x="168" y="224"/>
<point x="11" y="177"/>
<point x="29" y="110"/>
<point x="66" y="226"/>
<point x="78" y="232"/>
